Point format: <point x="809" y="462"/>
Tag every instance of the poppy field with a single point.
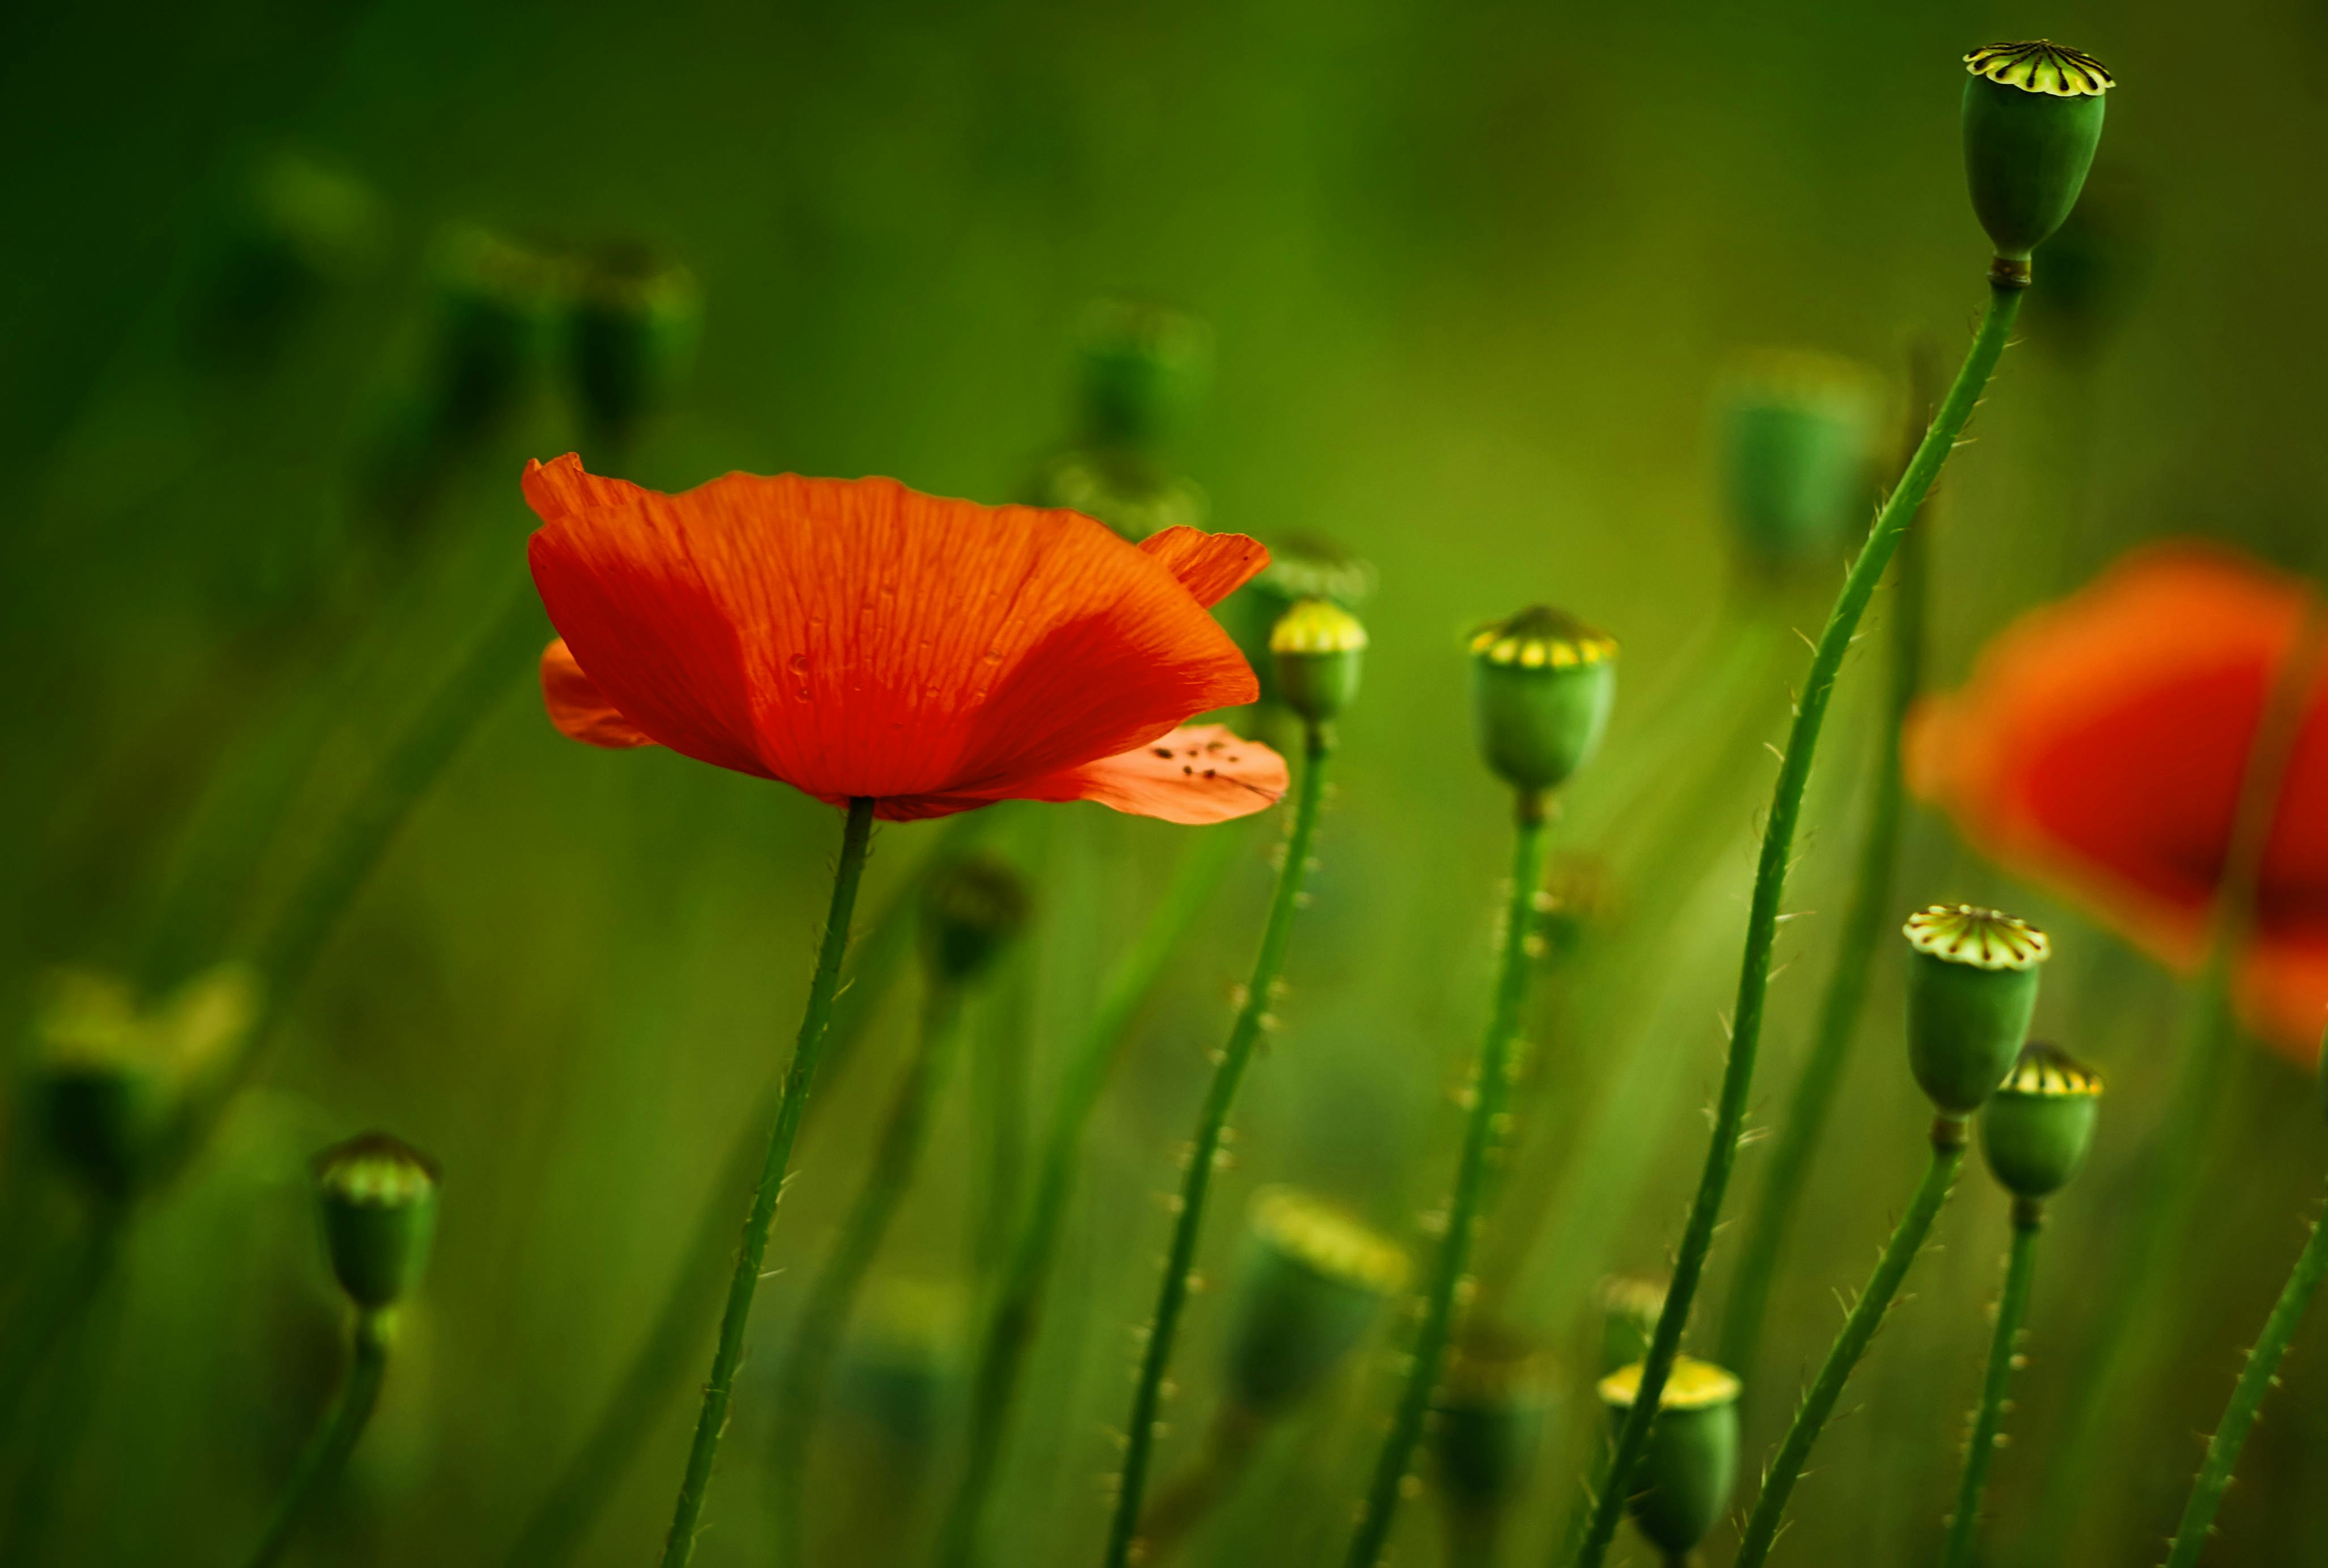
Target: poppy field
<point x="1285" y="784"/>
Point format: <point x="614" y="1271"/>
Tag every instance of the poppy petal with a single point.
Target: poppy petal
<point x="859" y="638"/>
<point x="1196" y="774"/>
<point x="578" y="709"/>
<point x="1210" y="565"/>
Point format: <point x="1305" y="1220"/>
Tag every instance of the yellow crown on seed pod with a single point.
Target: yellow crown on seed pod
<point x="1982" y="938"/>
<point x="1543" y="638"/>
<point x="1326" y="1241"/>
<point x="2045" y="1070"/>
<point x="2042" y="66"/>
<point x="1693" y="1384"/>
<point x="1316" y="626"/>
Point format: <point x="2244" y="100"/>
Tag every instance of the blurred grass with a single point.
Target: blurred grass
<point x="1472" y="275"/>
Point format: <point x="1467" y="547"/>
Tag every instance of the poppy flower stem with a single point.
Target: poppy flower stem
<point x="1864" y="923"/>
<point x="1948" y="1136"/>
<point x="2012" y="1312"/>
<point x="1009" y="1328"/>
<point x="1253" y="1019"/>
<point x="562" y="1521"/>
<point x="2256" y="1380"/>
<point x="1769" y="888"/>
<point x="712" y="1420"/>
<point x="832" y="1294"/>
<point x="327" y="1454"/>
<point x="1487" y="1096"/>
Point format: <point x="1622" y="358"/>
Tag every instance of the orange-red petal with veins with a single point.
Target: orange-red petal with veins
<point x="578" y="709"/>
<point x="1210" y="565"/>
<point x="1198" y="773"/>
<point x="859" y="638"/>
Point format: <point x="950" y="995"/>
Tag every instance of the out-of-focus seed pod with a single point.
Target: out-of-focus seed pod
<point x="1144" y="366"/>
<point x="1972" y="986"/>
<point x="1798" y="445"/>
<point x="1685" y="1479"/>
<point x="972" y="910"/>
<point x="1578" y="904"/>
<point x="632" y="335"/>
<point x="1316" y="647"/>
<point x="1129" y="490"/>
<point x="2033" y="116"/>
<point x="1487" y="1426"/>
<point x="291" y="228"/>
<point x="1630" y="1305"/>
<point x="901" y="1367"/>
<point x="1541" y="685"/>
<point x="1312" y="1284"/>
<point x="2038" y="1126"/>
<point x="111" y="1080"/>
<point x="1300" y="567"/>
<point x="378" y="1198"/>
<point x="495" y="303"/>
<point x="2097" y="266"/>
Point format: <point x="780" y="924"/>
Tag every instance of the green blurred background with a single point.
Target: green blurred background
<point x="1473" y="272"/>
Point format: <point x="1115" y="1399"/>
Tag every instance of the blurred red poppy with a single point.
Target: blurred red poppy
<point x="856" y="638"/>
<point x="2099" y="747"/>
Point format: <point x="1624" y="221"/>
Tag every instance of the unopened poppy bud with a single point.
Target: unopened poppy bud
<point x="1541" y="685"/>
<point x="1493" y="1405"/>
<point x="1144" y="366"/>
<point x="972" y="910"/>
<point x="1798" y="431"/>
<point x="2033" y="116"/>
<point x="636" y="318"/>
<point x="1686" y="1478"/>
<point x="1315" y="648"/>
<point x="2035" y="1131"/>
<point x="494" y="305"/>
<point x="1312" y="1284"/>
<point x="1972" y="986"/>
<point x="1631" y="1305"/>
<point x="378" y="1197"/>
<point x="1300" y="567"/>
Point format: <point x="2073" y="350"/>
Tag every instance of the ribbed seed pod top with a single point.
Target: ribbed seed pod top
<point x="2035" y="1132"/>
<point x="1541" y="685"/>
<point x="378" y="1196"/>
<point x="1302" y="566"/>
<point x="2033" y="116"/>
<point x="1972" y="988"/>
<point x="1315" y="647"/>
<point x="1313" y="1281"/>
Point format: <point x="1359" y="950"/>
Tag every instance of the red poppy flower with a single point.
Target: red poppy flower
<point x="2099" y="749"/>
<point x="856" y="638"/>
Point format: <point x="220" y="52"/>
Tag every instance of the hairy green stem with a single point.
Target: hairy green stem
<point x="575" y="1502"/>
<point x="832" y="1294"/>
<point x="1009" y="1333"/>
<point x="1769" y="887"/>
<point x="327" y="1455"/>
<point x="1948" y="1135"/>
<point x="1483" y="1137"/>
<point x="712" y="1422"/>
<point x="1254" y="1017"/>
<point x="2256" y="1380"/>
<point x="2003" y="1345"/>
<point x="1865" y="920"/>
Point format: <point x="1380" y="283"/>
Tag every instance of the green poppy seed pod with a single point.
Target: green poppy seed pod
<point x="1488" y="1420"/>
<point x="2036" y="1128"/>
<point x="1313" y="1283"/>
<point x="1143" y="368"/>
<point x="1631" y="1305"/>
<point x="495" y="303"/>
<point x="1972" y="986"/>
<point x="1129" y="490"/>
<point x="378" y="1198"/>
<point x="2033" y="116"/>
<point x="1685" y="1479"/>
<point x="1315" y="649"/>
<point x="972" y="908"/>
<point x="900" y="1371"/>
<point x="1798" y="439"/>
<point x="1302" y="566"/>
<point x="633" y="330"/>
<point x="1541" y="685"/>
<point x="290" y="231"/>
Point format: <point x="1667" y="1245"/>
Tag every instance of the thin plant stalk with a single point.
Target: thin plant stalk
<point x="997" y="1070"/>
<point x="832" y="1294"/>
<point x="2003" y="1345"/>
<point x="1488" y="1095"/>
<point x="327" y="1454"/>
<point x="1253" y="1018"/>
<point x="1892" y="520"/>
<point x="2256" y="1380"/>
<point x="57" y="1304"/>
<point x="2165" y="1201"/>
<point x="1948" y="1134"/>
<point x="1864" y="922"/>
<point x="562" y="1521"/>
<point x="807" y="1049"/>
<point x="1177" y="1508"/>
<point x="1008" y="1332"/>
